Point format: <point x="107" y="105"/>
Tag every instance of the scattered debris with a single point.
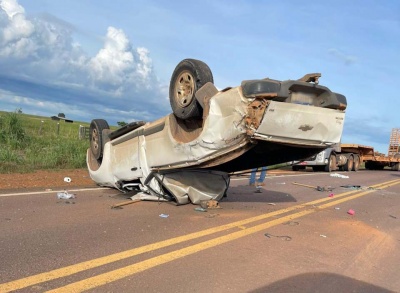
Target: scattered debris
<point x="337" y="208"/>
<point x="351" y="212"/>
<point x="331" y="195"/>
<point x="210" y="204"/>
<point x="164" y="216"/>
<point x="211" y="215"/>
<point x="319" y="188"/>
<point x="357" y="187"/>
<point x="65" y="195"/>
<point x="281" y="183"/>
<point x="200" y="209"/>
<point x="48" y="189"/>
<point x="322" y="235"/>
<point x="145" y="196"/>
<point x="284" y="237"/>
<point x="291" y="223"/>
<point x="67" y="179"/>
<point x="119" y="206"/>
<point x="339" y="175"/>
<point x="271" y="204"/>
<point x="394" y="217"/>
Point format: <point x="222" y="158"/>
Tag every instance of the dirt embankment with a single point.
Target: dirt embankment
<point x="46" y="179"/>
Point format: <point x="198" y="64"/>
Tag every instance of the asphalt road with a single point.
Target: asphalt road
<point x="288" y="238"/>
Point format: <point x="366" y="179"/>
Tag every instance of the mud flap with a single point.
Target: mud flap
<point x="194" y="186"/>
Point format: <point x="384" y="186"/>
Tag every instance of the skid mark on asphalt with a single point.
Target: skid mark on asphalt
<point x="168" y="257"/>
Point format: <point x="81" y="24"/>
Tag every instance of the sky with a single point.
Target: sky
<point x="114" y="59"/>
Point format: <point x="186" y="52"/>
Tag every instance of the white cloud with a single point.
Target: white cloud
<point x="16" y="29"/>
<point x="42" y="53"/>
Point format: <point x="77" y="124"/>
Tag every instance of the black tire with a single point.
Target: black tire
<point x="96" y="137"/>
<point x="189" y="75"/>
<point x="356" y="163"/>
<point x="331" y="166"/>
<point x="349" y="163"/>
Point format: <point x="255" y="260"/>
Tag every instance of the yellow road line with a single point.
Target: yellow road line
<point x="130" y="270"/>
<point x="73" y="269"/>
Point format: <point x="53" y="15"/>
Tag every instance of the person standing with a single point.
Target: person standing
<point x="260" y="181"/>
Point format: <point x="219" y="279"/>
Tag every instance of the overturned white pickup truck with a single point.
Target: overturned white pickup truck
<point x="186" y="156"/>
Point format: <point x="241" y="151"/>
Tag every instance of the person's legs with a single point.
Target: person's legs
<point x="253" y="176"/>
<point x="263" y="174"/>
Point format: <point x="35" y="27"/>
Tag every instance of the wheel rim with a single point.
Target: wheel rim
<point x="184" y="89"/>
<point x="95" y="140"/>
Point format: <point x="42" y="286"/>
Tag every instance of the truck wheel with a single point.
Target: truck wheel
<point x="356" y="163"/>
<point x="331" y="166"/>
<point x="96" y="137"/>
<point x="349" y="163"/>
<point x="188" y="76"/>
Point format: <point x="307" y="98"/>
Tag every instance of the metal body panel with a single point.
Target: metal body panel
<point x="301" y="124"/>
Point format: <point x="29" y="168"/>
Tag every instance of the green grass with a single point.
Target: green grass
<point x="29" y="143"/>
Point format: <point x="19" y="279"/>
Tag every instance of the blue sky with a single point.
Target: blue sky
<point x="114" y="59"/>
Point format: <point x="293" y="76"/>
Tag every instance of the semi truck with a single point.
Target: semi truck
<point x="349" y="157"/>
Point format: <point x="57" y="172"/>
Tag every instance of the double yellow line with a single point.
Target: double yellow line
<point x="117" y="274"/>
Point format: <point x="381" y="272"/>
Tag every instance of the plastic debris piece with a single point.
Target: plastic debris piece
<point x="338" y="175"/>
<point x="351" y="186"/>
<point x="271" y="204"/>
<point x="284" y="237"/>
<point x="164" y="216"/>
<point x="322" y="235"/>
<point x="199" y="209"/>
<point x="351" y="212"/>
<point x="331" y="195"/>
<point x="291" y="223"/>
<point x="337" y="208"/>
<point x="67" y="179"/>
<point x="65" y="195"/>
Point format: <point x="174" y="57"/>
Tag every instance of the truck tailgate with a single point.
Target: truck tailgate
<point x="300" y="125"/>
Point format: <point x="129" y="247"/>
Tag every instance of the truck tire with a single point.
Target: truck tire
<point x="189" y="76"/>
<point x="349" y="163"/>
<point x="96" y="137"/>
<point x="356" y="163"/>
<point x="396" y="167"/>
<point x="331" y="166"/>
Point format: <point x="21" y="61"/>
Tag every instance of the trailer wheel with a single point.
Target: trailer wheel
<point x="349" y="164"/>
<point x="331" y="166"/>
<point x="356" y="163"/>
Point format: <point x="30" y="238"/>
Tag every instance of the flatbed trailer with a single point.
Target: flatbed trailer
<point x="349" y="157"/>
<point x="373" y="160"/>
